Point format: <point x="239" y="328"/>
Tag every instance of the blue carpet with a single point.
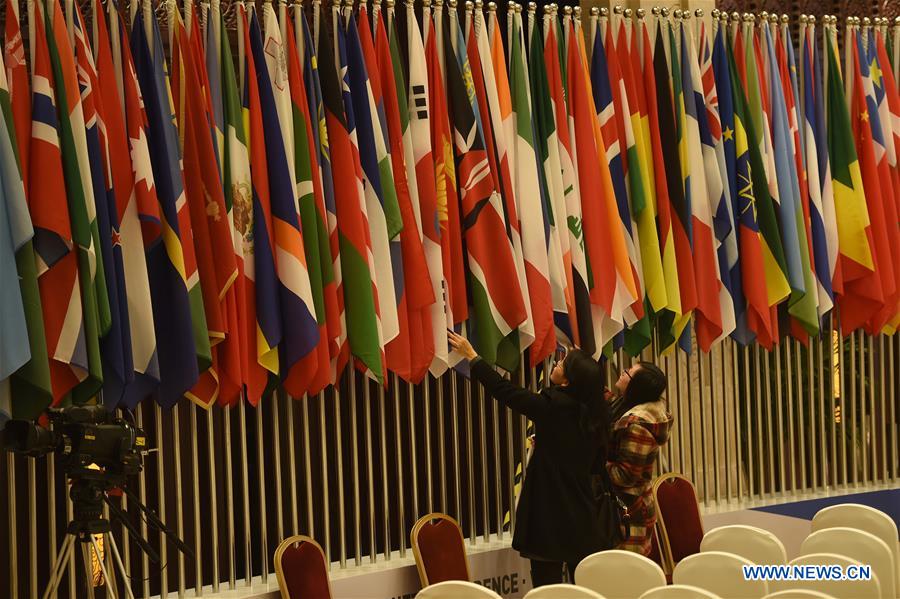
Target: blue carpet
<point x="888" y="501"/>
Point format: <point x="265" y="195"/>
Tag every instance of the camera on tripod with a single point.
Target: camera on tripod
<point x="81" y="436"/>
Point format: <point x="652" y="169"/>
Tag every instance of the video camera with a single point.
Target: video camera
<point x="81" y="436"/>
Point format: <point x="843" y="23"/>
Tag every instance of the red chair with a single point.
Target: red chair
<point x="678" y="519"/>
<point x="302" y="569"/>
<point x="439" y="548"/>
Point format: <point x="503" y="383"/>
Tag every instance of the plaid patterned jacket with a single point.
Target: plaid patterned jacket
<point x="633" y="449"/>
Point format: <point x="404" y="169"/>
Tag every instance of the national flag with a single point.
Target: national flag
<point x="213" y="240"/>
<point x="726" y="154"/>
<point x="313" y="372"/>
<point x="358" y="287"/>
<point x="417" y="293"/>
<point x="17" y="80"/>
<point x="82" y="208"/>
<point x="115" y="345"/>
<point x="324" y="186"/>
<point x="717" y="182"/>
<point x="559" y="253"/>
<point x="862" y="294"/>
<point x="758" y="110"/>
<point x="131" y="196"/>
<point x="419" y="113"/>
<point x="580" y="310"/>
<point x="891" y="124"/>
<point x="531" y="202"/>
<point x="299" y="333"/>
<point x="16" y="233"/>
<point x="708" y="314"/>
<point x="610" y="281"/>
<point x="382" y="210"/>
<point x="275" y="54"/>
<point x="823" y="227"/>
<point x="500" y="110"/>
<point x="456" y="304"/>
<point x="497" y="305"/>
<point x="672" y="324"/>
<point x="802" y="302"/>
<point x="886" y="157"/>
<point x="614" y="119"/>
<point x="214" y="66"/>
<point x="183" y="342"/>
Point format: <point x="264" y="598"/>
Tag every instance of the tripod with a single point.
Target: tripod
<point x="88" y="496"/>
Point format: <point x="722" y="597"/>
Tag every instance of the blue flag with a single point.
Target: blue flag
<point x="166" y="268"/>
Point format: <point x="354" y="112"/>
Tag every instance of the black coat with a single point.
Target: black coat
<point x="556" y="518"/>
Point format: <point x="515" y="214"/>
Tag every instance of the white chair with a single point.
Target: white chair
<point x="755" y="544"/>
<point x="720" y="573"/>
<point x="798" y="594"/>
<point x="839" y="589"/>
<point x="562" y="591"/>
<point x="456" y="589"/>
<point x="859" y="545"/>
<point x="863" y="517"/>
<point x="618" y="574"/>
<point x="679" y="591"/>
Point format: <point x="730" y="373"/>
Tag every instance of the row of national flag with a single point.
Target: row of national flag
<point x="215" y="213"/>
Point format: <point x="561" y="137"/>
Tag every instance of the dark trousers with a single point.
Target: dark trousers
<point x="544" y="573"/>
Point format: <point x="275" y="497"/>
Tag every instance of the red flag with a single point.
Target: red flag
<point x="213" y="242"/>
<point x="417" y="294"/>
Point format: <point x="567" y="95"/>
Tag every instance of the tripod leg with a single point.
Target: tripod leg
<point x="110" y="582"/>
<point x="88" y="570"/>
<point x="114" y="550"/>
<point x="56" y="571"/>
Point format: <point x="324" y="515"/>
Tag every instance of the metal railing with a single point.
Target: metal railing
<point x="355" y="466"/>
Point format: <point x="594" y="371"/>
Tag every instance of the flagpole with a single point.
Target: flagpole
<point x="245" y="489"/>
<point x="354" y="461"/>
<point x="398" y="436"/>
<point x="385" y="494"/>
<point x="307" y="462"/>
<point x="229" y="493"/>
<point x="370" y="478"/>
<point x="292" y="460"/>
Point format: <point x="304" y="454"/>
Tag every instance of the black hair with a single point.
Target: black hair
<point x="585" y="383"/>
<point x="646" y="385"/>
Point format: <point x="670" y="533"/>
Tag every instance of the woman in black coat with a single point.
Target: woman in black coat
<point x="556" y="518"/>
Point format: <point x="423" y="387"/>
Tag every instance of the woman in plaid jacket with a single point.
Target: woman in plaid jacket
<point x="641" y="426"/>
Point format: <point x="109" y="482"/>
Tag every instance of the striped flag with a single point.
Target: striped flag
<point x="530" y="190"/>
<point x="30" y="384"/>
<point x="672" y="324"/>
<point x="313" y="372"/>
<point x="418" y="294"/>
<point x="823" y="226"/>
<point x="172" y="265"/>
<point x="299" y="330"/>
<point x="802" y="301"/>
<point x="885" y="154"/>
<point x="717" y="182"/>
<point x="708" y="314"/>
<point x="547" y="142"/>
<point x="324" y="186"/>
<point x="213" y="240"/>
<point x="861" y="294"/>
<point x="363" y="330"/>
<point x="115" y="345"/>
<point x="497" y="305"/>
<point x="82" y="208"/>
<point x="580" y="310"/>
<point x="419" y="131"/>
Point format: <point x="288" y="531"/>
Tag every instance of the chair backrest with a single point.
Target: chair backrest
<point x="755" y="544"/>
<point x="798" y="594"/>
<point x="680" y="526"/>
<point x="302" y="569"/>
<point x="439" y="549"/>
<point x="456" y="589"/>
<point x="679" y="591"/>
<point x="859" y="545"/>
<point x="720" y="573"/>
<point x="863" y="517"/>
<point x="562" y="591"/>
<point x="839" y="589"/>
<point x="618" y="574"/>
